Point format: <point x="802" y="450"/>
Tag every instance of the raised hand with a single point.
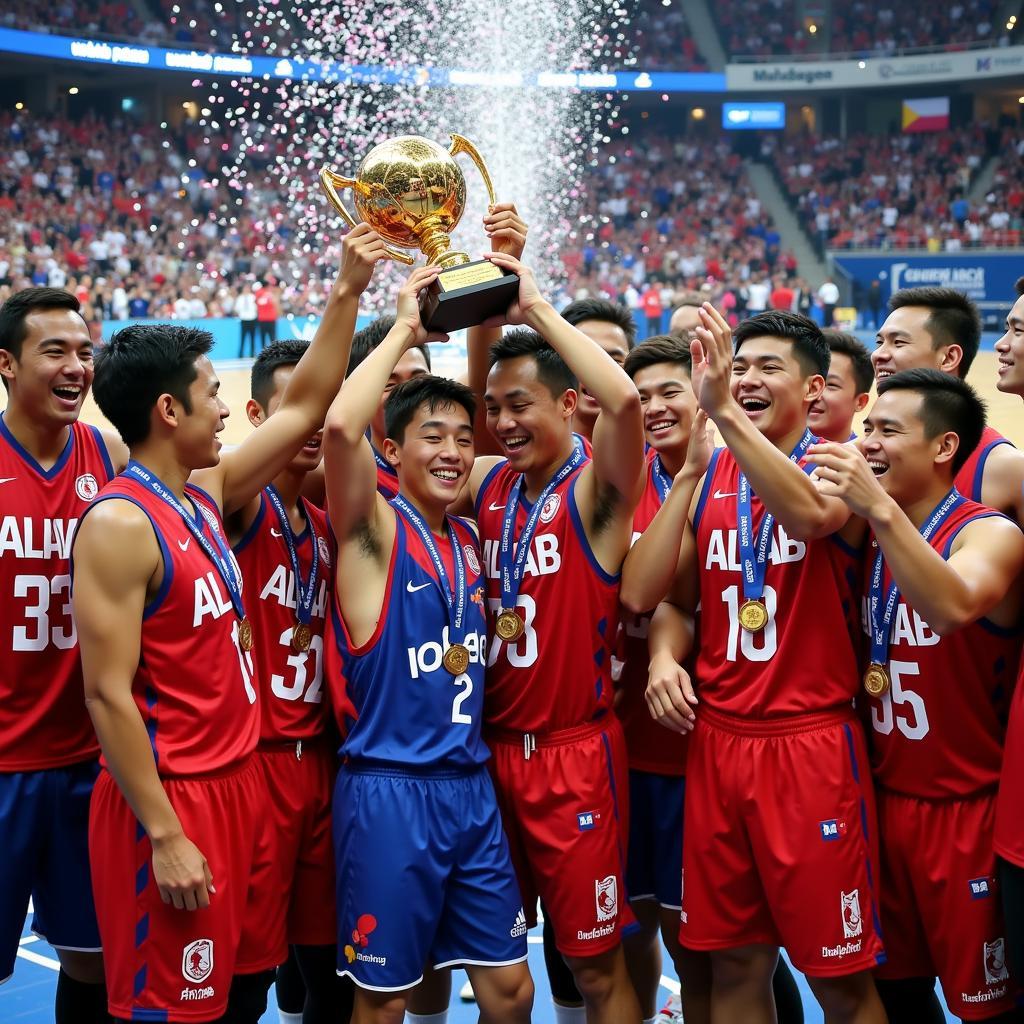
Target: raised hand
<point x="361" y="251"/>
<point x="700" y="447"/>
<point x="528" y="298"/>
<point x="506" y="230"/>
<point x="712" y="360"/>
<point x="843" y="472"/>
<point x="407" y="312"/>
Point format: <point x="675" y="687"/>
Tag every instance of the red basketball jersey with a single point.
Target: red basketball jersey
<point x="291" y="680"/>
<point x="805" y="659"/>
<point x="195" y="687"/>
<point x="387" y="478"/>
<point x="650" y="746"/>
<point x="972" y="473"/>
<point x="1009" y="835"/>
<point x="938" y="732"/>
<point x="43" y="721"/>
<point x="558" y="674"/>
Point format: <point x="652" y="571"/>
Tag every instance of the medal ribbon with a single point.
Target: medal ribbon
<point x="662" y="481"/>
<point x="220" y="556"/>
<point x="512" y="568"/>
<point x="755" y="562"/>
<point x="881" y="624"/>
<point x="455" y="600"/>
<point x="304" y="592"/>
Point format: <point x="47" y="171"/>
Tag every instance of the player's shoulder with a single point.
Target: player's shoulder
<point x="112" y="525"/>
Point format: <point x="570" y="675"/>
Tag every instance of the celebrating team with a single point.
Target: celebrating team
<point x="549" y="622"/>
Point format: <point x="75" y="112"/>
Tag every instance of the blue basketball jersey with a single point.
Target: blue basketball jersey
<point x="409" y="710"/>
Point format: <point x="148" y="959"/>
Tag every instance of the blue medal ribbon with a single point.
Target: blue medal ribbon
<point x="512" y="567"/>
<point x="454" y="597"/>
<point x="304" y="592"/>
<point x="225" y="565"/>
<point x="879" y="616"/>
<point x="662" y="481"/>
<point x="755" y="562"/>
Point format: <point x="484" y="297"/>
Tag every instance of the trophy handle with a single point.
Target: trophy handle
<point x="329" y="180"/>
<point x="460" y="144"/>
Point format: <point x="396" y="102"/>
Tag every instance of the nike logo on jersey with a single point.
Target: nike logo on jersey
<point x="495" y="508"/>
<point x="184" y="544"/>
<point x="724" y="494"/>
<point x="7" y="479"/>
<point x="412" y="589"/>
<point x="274" y="533"/>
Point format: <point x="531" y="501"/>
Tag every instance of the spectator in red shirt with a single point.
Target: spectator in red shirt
<point x="782" y="295"/>
<point x="267" y="311"/>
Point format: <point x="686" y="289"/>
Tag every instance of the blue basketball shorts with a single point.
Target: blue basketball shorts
<point x="44" y="822"/>
<point x="654" y="860"/>
<point x="423" y="876"/>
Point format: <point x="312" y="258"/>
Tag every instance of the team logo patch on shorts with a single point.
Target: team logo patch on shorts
<point x="86" y="487"/>
<point x="606" y="896"/>
<point x="471" y="560"/>
<point x="832" y="830"/>
<point x="995" y="962"/>
<point x="585" y="820"/>
<point x="365" y="925"/>
<point x="853" y="923"/>
<point x="519" y="928"/>
<point x="197" y="961"/>
<point x="550" y="509"/>
<point x="980" y="888"/>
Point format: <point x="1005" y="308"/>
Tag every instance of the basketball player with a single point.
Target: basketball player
<point x="942" y="608"/>
<point x="167" y="660"/>
<point x="51" y="467"/>
<point x="941" y="328"/>
<point x="1010" y="813"/>
<point x="414" y="803"/>
<point x="847" y="388"/>
<point x="282" y="544"/>
<point x="775" y="753"/>
<point x="559" y="757"/>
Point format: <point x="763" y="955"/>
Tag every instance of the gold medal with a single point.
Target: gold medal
<point x="245" y="634"/>
<point x="509" y="626"/>
<point x="302" y="637"/>
<point x="753" y="616"/>
<point x="456" y="659"/>
<point x="876" y="680"/>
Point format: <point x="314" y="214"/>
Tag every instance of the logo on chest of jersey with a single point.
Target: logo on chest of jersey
<point x="550" y="509"/>
<point x="325" y="551"/>
<point x="723" y="552"/>
<point x="281" y="588"/>
<point x="36" y="538"/>
<point x="86" y="487"/>
<point x="472" y="561"/>
<point x="197" y="961"/>
<point x="543" y="559"/>
<point x="907" y="627"/>
<point x="427" y="657"/>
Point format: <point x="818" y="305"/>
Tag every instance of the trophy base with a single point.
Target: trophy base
<point x="467" y="295"/>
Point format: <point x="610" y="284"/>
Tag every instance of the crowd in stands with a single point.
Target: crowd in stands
<point x="902" y="191"/>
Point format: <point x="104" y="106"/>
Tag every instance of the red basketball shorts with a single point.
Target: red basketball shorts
<point x="780" y="844"/>
<point x="291" y="897"/>
<point x="161" y="962"/>
<point x="564" y="802"/>
<point x="941" y="912"/>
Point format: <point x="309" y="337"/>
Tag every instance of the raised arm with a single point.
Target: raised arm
<point x="311" y="388"/>
<point x="986" y="560"/>
<point x="795" y="500"/>
<point x="116" y="559"/>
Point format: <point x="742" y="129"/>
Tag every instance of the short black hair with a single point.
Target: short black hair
<point x="660" y="348"/>
<point x="602" y="309"/>
<point x="22" y="304"/>
<point x="850" y="345"/>
<point x="366" y="340"/>
<point x="1019" y="285"/>
<point x="947" y="403"/>
<point x="426" y="389"/>
<point x="809" y="345"/>
<point x="953" y="319"/>
<point x="140" y="363"/>
<point x="552" y="370"/>
<point x="280" y="353"/>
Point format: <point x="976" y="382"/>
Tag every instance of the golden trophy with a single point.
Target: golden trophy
<point x="412" y="193"/>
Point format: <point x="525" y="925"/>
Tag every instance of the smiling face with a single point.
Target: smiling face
<point x="434" y="456"/>
<point x="309" y="455"/>
<point x="905" y="461"/>
<point x="531" y="425"/>
<point x="613" y="340"/>
<point x="195" y="439"/>
<point x="772" y="387"/>
<point x="904" y="342"/>
<point x="669" y="406"/>
<point x="831" y="414"/>
<point x="1010" y="349"/>
<point x="51" y="376"/>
